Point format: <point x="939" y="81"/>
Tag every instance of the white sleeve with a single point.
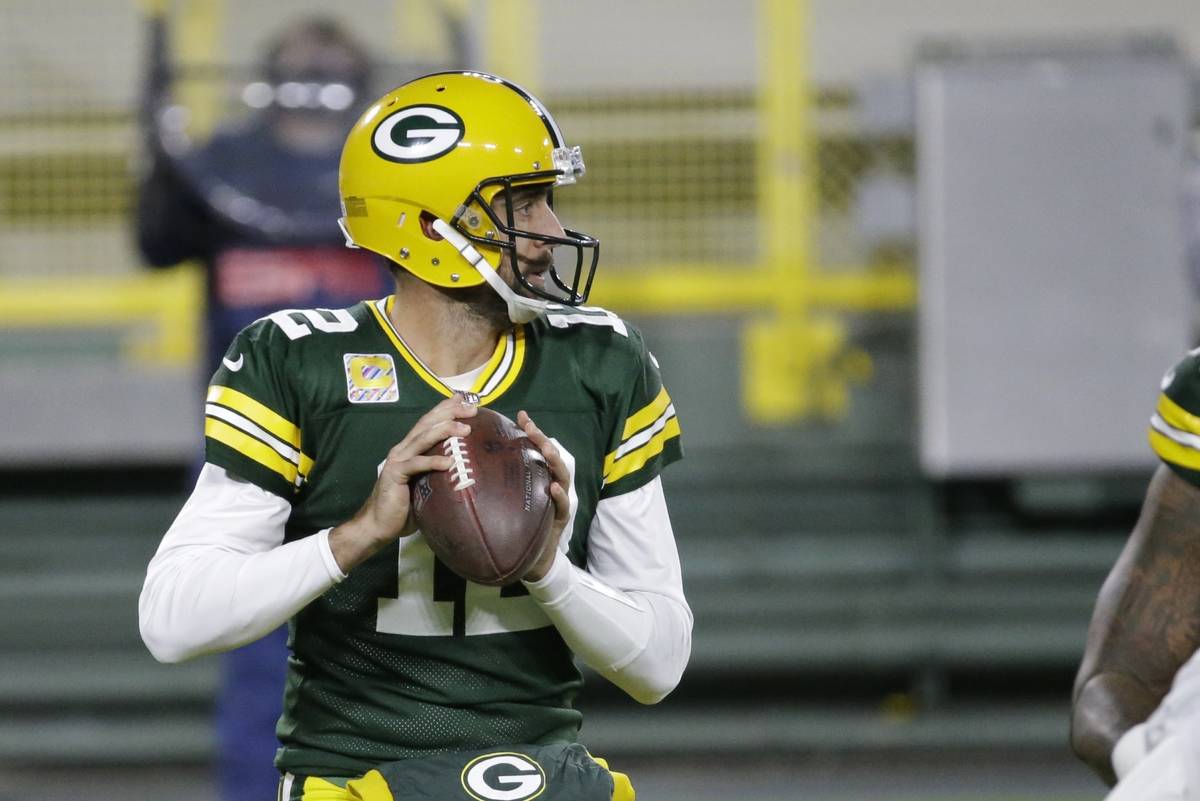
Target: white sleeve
<point x="1176" y="721"/>
<point x="625" y="616"/>
<point x="1161" y="775"/>
<point x="1129" y="751"/>
<point x="222" y="576"/>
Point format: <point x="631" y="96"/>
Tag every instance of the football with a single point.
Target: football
<point x="487" y="518"/>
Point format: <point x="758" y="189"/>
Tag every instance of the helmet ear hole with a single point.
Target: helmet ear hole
<point x="427" y="226"/>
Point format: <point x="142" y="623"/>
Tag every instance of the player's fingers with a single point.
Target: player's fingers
<point x="528" y="426"/>
<point x="532" y="431"/>
<point x="424" y="435"/>
<point x="426" y="464"/>
<point x="562" y="503"/>
<point x="401" y="470"/>
<point x="558" y="468"/>
<point x="452" y="408"/>
<point x="458" y="406"/>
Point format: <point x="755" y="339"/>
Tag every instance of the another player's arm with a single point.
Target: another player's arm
<point x="171" y="222"/>
<point x="1146" y="623"/>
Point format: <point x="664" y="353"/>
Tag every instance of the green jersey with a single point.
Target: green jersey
<point x="404" y="658"/>
<point x="1175" y="426"/>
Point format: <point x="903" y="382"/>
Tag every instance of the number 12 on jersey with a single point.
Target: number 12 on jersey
<point x="431" y="601"/>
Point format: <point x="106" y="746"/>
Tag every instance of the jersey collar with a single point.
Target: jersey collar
<point x="497" y="376"/>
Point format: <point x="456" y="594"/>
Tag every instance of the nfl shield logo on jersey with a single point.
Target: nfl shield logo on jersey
<point x="370" y="378"/>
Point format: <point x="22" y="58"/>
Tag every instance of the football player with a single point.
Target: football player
<point x="405" y="680"/>
<point x="1146" y="625"/>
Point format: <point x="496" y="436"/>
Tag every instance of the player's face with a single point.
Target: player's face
<point x="531" y="212"/>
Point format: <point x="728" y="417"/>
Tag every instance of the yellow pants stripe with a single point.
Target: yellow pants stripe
<point x="1178" y="417"/>
<point x="622" y="787"/>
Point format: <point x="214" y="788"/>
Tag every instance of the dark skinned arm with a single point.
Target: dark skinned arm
<point x="1146" y="623"/>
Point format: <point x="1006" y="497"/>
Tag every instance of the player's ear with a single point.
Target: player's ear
<point x="427" y="226"/>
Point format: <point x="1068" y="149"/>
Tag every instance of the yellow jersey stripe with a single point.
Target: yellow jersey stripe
<point x="257" y="413"/>
<point x="246" y="427"/>
<point x="1178" y="417"/>
<point x="492" y="366"/>
<point x="1171" y="451"/>
<point x="615" y="469"/>
<point x="251" y="448"/>
<point x="514" y="369"/>
<point x="647" y="414"/>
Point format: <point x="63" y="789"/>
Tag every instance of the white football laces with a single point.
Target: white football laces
<point x="456" y="449"/>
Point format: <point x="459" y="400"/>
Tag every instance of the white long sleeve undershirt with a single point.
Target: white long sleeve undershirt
<point x="222" y="577"/>
<point x="625" y="616"/>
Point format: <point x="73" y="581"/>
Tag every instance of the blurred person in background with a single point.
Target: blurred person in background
<point x="1136" y="712"/>
<point x="406" y="682"/>
<point x="257" y="205"/>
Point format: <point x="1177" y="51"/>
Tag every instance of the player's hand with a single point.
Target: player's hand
<point x="558" y="493"/>
<point x="385" y="515"/>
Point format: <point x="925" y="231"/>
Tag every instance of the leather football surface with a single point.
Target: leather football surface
<point x="488" y="517"/>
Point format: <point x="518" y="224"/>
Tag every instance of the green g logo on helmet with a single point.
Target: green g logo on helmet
<point x="417" y="133"/>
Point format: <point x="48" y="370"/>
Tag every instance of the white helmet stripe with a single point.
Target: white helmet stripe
<point x="543" y="112"/>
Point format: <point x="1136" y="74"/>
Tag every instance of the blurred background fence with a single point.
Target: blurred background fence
<point x="769" y="180"/>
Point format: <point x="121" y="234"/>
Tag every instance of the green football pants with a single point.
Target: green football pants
<point x="562" y="772"/>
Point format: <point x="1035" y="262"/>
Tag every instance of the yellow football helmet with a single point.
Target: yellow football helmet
<point x="445" y="145"/>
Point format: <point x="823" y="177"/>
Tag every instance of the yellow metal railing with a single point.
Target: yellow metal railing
<point x="725" y="289"/>
<point x="725" y="183"/>
<point x="197" y="38"/>
<point x="159" y="312"/>
<point x="511" y="33"/>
